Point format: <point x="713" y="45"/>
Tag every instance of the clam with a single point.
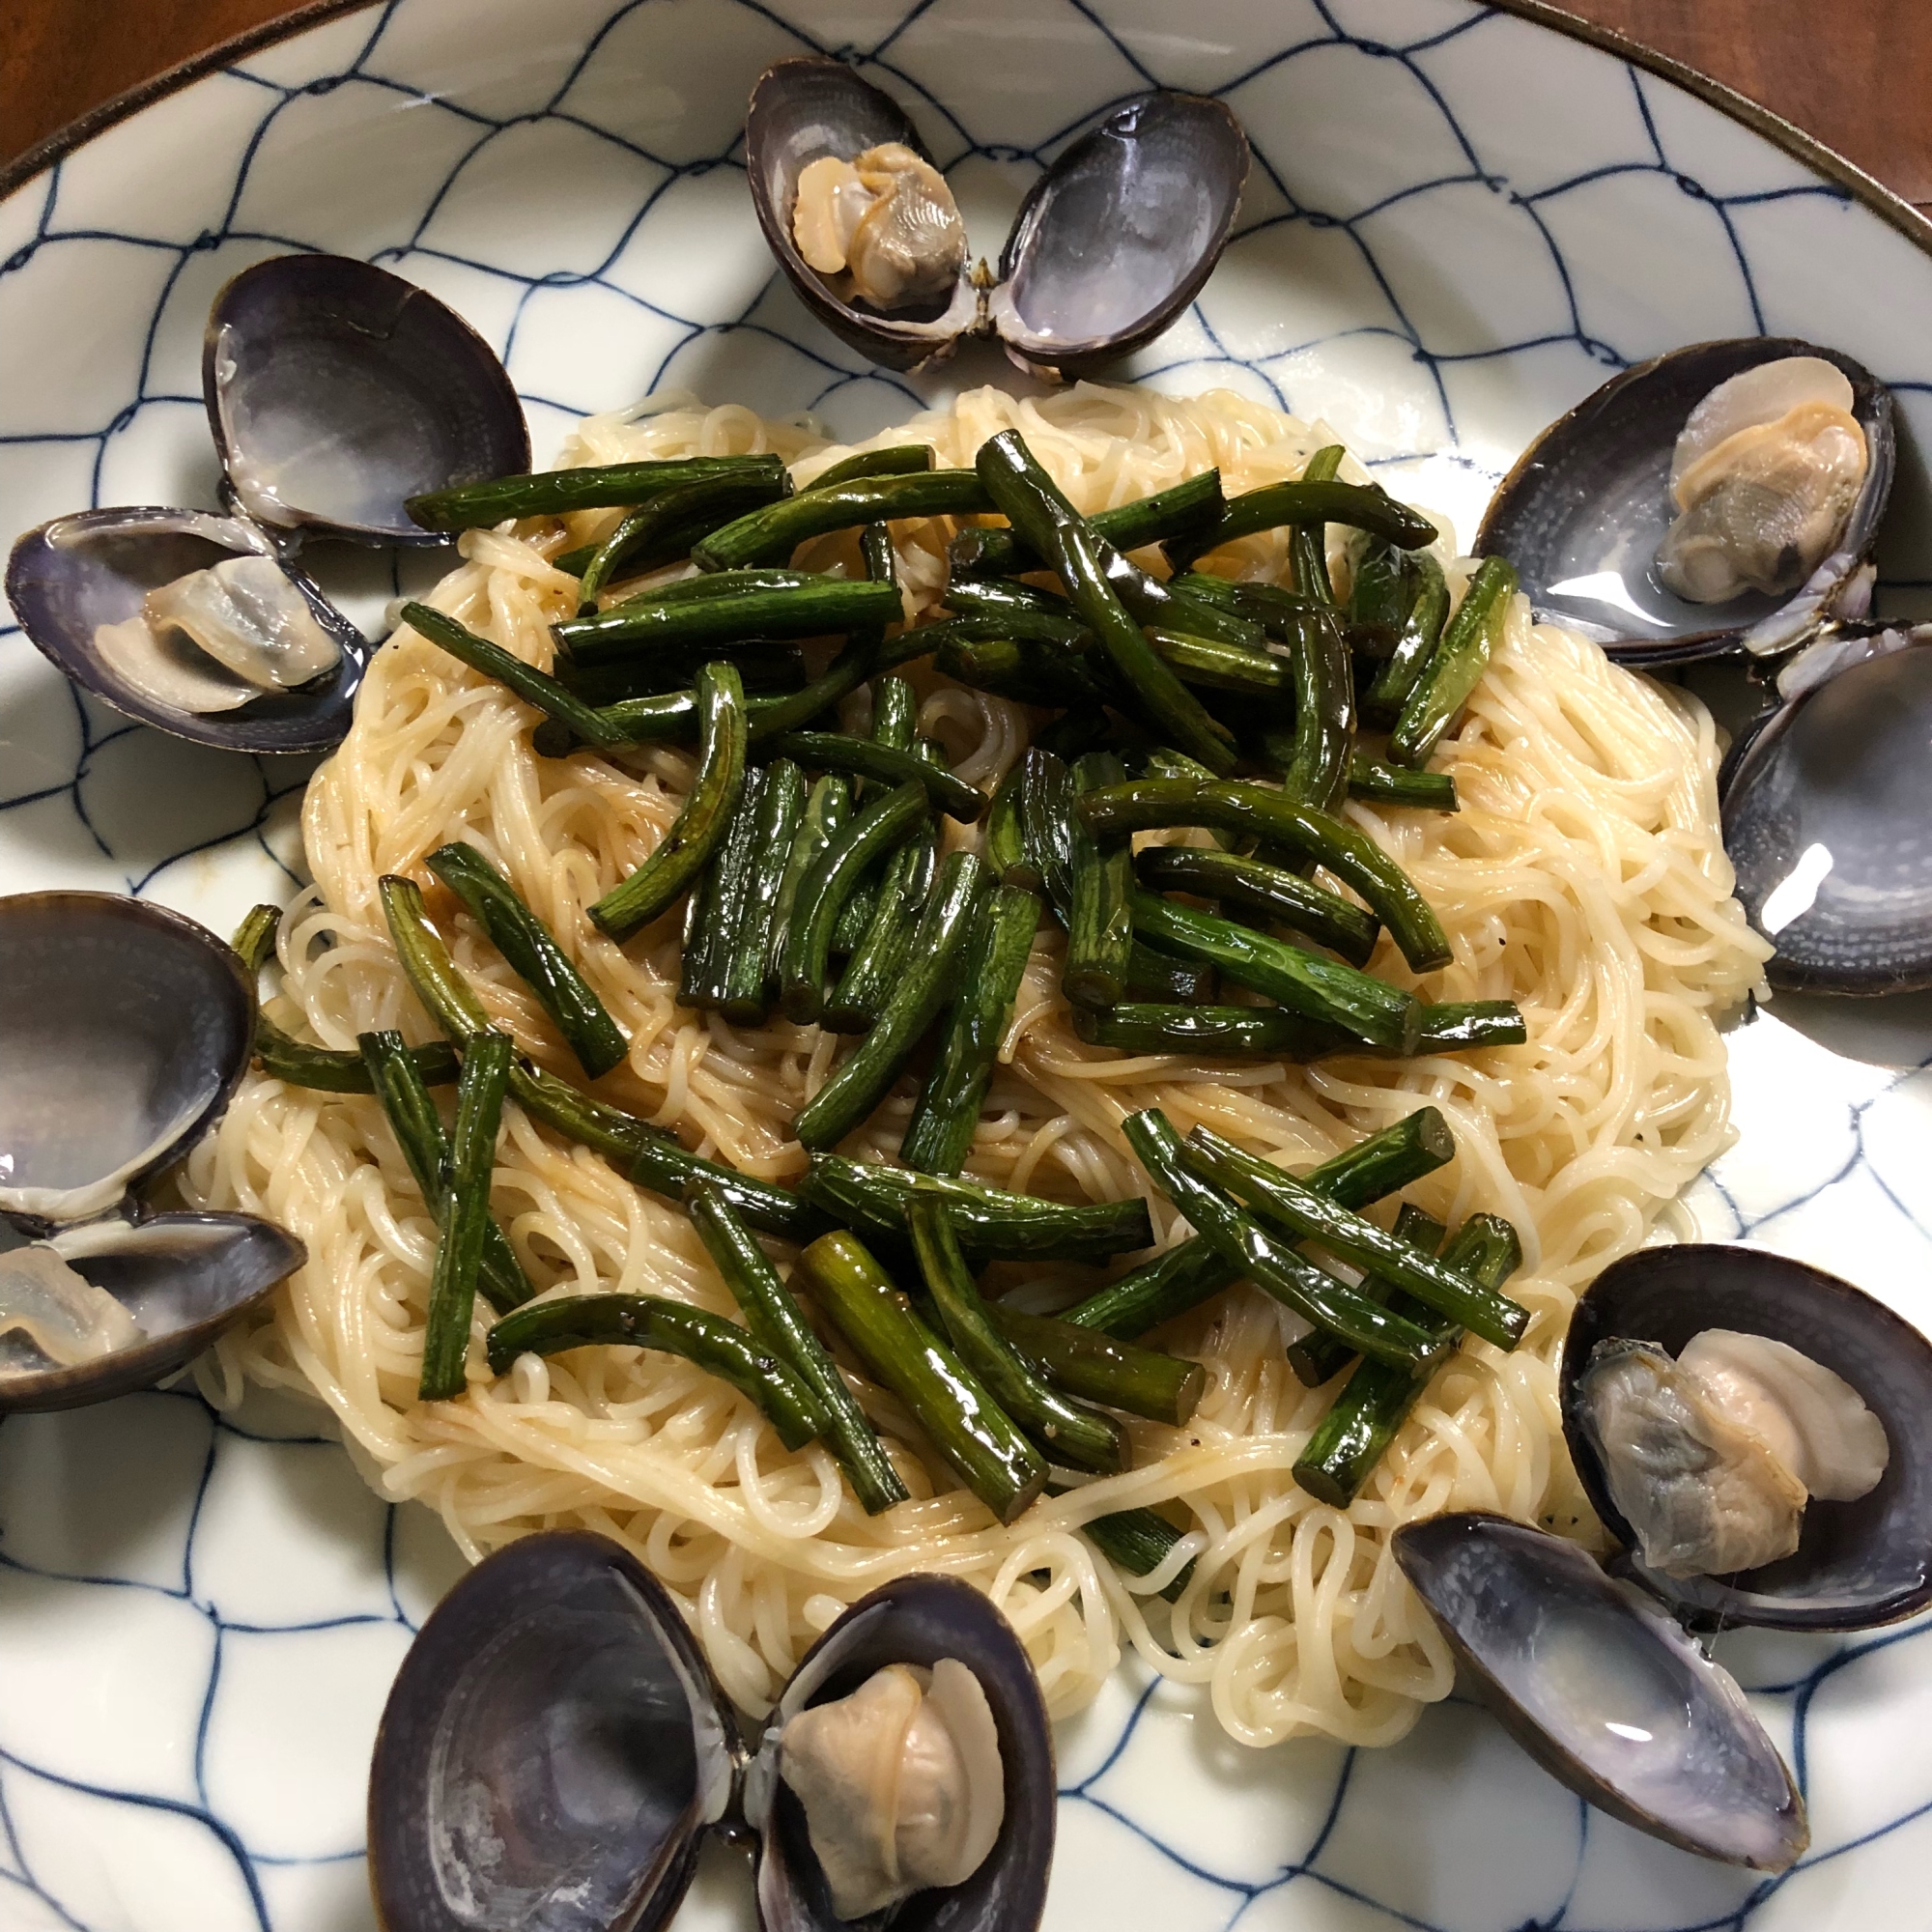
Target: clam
<point x="1721" y="1405"/>
<point x="1824" y="806"/>
<point x="1713" y="502"/>
<point x="192" y="623"/>
<point x="335" y="390"/>
<point x="1861" y="1559"/>
<point x="1605" y="1691"/>
<point x="129" y="1030"/>
<point x="1111" y="244"/>
<point x="556" y="1748"/>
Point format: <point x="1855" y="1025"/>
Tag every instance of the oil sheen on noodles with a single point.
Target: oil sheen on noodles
<point x="1584" y="877"/>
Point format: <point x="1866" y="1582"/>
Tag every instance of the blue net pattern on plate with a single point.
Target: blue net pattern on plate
<point x="573" y="294"/>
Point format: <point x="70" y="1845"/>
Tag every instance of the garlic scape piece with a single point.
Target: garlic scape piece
<point x="129" y="1030"/>
<point x="1754" y="1432"/>
<point x="556" y="1748"/>
<point x="1718" y="500"/>
<point x="1111" y="244"/>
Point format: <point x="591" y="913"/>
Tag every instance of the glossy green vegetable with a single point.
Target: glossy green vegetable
<point x="1318" y="1356"/>
<point x="1272" y="1265"/>
<point x="992" y="1224"/>
<point x="708" y="1340"/>
<point x="1281" y="1200"/>
<point x="978" y="1441"/>
<point x="552" y="493"/>
<point x="1187" y="1274"/>
<point x="1139" y="1542"/>
<point x="938" y="1135"/>
<point x="389" y="1073"/>
<point x="873" y="966"/>
<point x="1019" y="669"/>
<point x="1325" y="990"/>
<point x="1274" y="1033"/>
<point x="827" y="805"/>
<point x="1045" y="519"/>
<point x="898" y="459"/>
<point x="1322" y="916"/>
<point x="665" y="529"/>
<point x="745" y="983"/>
<point x="1096" y="1368"/>
<point x="581" y="721"/>
<point x="806" y="951"/>
<point x="1217" y="667"/>
<point x="1311" y="500"/>
<point x="883" y="765"/>
<point x="1155" y="976"/>
<point x="1100" y="881"/>
<point x="1417" y="634"/>
<point x="1453" y="1025"/>
<point x="1264" y="813"/>
<point x="534" y="955"/>
<point x="1389" y="785"/>
<point x="1324" y="713"/>
<point x="1066" y="1432"/>
<point x="464" y="1215"/>
<point x="683" y="852"/>
<point x="717" y="901"/>
<point x="1352" y="1438"/>
<point x="894" y="725"/>
<point x="1307" y="542"/>
<point x="1004" y="850"/>
<point x="774" y="1316"/>
<point x="771" y="535"/>
<point x="810" y="610"/>
<point x="1458" y="663"/>
<point x="1177" y="513"/>
<point x="858" y="1082"/>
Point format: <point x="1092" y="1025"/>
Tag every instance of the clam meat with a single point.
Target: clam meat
<point x="51" y="1315"/>
<point x="1764" y="478"/>
<point x="901" y="1783"/>
<point x="1712" y="1457"/>
<point x="219" y="637"/>
<point x="885" y="223"/>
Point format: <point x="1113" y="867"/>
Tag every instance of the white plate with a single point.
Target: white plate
<point x="1453" y="231"/>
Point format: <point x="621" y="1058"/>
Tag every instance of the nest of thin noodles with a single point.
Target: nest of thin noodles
<point x="1584" y="879"/>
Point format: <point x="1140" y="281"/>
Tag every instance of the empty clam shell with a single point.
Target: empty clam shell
<point x="1859" y="1563"/>
<point x="128" y="1029"/>
<point x="1605" y="1691"/>
<point x="917" y="1620"/>
<point x="1111" y="242"/>
<point x="182" y="1278"/>
<point x="1582" y="514"/>
<point x="553" y="1751"/>
<point x="79" y="587"/>
<point x="1823" y="818"/>
<point x="337" y="390"/>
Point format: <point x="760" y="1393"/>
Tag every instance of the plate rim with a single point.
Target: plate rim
<point x="1893" y="208"/>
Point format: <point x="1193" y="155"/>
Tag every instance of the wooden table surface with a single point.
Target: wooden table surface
<point x="1851" y="72"/>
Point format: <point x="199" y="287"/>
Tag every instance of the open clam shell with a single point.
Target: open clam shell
<point x="917" y="1620"/>
<point x="553" y="1751"/>
<point x="78" y="575"/>
<point x="336" y="391"/>
<point x="1605" y="1691"/>
<point x="1824" y="814"/>
<point x="127" y="1030"/>
<point x="1858" y="1564"/>
<point x="1582" y="513"/>
<point x="182" y="1277"/>
<point x="1111" y="242"/>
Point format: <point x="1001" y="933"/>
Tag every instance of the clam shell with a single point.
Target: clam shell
<point x="1583" y="511"/>
<point x="553" y="1751"/>
<point x="1858" y="1564"/>
<point x="1605" y="1691"/>
<point x="336" y="391"/>
<point x="127" y="1030"/>
<point x="76" y="574"/>
<point x="182" y="1277"/>
<point x="917" y="1619"/>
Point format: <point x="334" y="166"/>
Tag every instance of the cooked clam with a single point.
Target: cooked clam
<point x="1713" y="501"/>
<point x="1605" y="1691"/>
<point x="1113" y="242"/>
<point x="556" y="1748"/>
<point x="131" y="1028"/>
<point x="336" y="391"/>
<point x="1793" y="1381"/>
<point x="192" y="623"/>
